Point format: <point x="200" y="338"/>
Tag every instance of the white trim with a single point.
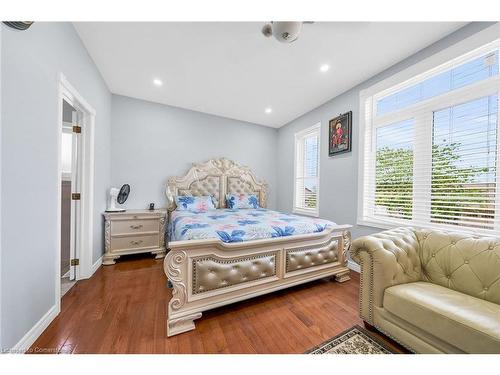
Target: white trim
<point x="463" y="48"/>
<point x="301" y="134"/>
<point x="85" y="245"/>
<point x="76" y="96"/>
<point x="352" y="265"/>
<point x="496" y="225"/>
<point x="302" y="211"/>
<point x="402" y="223"/>
<point x="448" y="65"/>
<point x="1" y="186"/>
<point x="309" y="130"/>
<point x="464" y="94"/>
<point x="30" y="337"/>
<point x="57" y="301"/>
<point x="95" y="266"/>
<point x="379" y="224"/>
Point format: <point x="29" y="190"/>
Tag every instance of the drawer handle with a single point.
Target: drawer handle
<point x="136" y="242"/>
<point x="136" y="226"/>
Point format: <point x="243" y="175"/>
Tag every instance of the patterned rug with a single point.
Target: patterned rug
<point x="355" y="340"/>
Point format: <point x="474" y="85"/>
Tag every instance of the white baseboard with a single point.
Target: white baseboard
<point x="95" y="266"/>
<point x="29" y="338"/>
<point x="88" y="272"/>
<point x="353" y="266"/>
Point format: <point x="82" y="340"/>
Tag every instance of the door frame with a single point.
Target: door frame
<point x="76" y="185"/>
<point x="85" y="227"/>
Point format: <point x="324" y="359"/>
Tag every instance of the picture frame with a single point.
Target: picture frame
<point x="340" y="134"/>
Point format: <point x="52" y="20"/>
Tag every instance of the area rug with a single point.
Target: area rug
<point x="355" y="340"/>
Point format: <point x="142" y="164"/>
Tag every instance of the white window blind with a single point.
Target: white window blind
<point x="432" y="160"/>
<point x="464" y="164"/>
<point x="306" y="192"/>
<point x="394" y="170"/>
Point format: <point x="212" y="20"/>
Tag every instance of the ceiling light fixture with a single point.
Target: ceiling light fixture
<point x="157" y="82"/>
<point x="324" y="68"/>
<point x="268" y="110"/>
<point x="284" y="32"/>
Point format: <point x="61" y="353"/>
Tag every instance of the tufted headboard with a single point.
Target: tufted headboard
<point x="216" y="177"/>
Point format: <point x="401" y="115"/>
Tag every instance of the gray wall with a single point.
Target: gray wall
<point x="31" y="63"/>
<point x="339" y="174"/>
<point x="151" y="142"/>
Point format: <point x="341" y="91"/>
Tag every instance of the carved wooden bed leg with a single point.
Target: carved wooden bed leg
<point x="159" y="254"/>
<point x="182" y="324"/>
<point x="176" y="270"/>
<point x="343" y="276"/>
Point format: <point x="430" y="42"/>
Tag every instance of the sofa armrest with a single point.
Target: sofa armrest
<point x="387" y="258"/>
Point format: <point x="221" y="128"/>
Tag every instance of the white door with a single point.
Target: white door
<point x="76" y="183"/>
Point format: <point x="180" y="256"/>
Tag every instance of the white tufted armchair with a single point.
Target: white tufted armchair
<point x="432" y="291"/>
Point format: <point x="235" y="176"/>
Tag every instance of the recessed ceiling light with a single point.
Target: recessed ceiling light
<point x="268" y="110"/>
<point x="324" y="68"/>
<point x="157" y="82"/>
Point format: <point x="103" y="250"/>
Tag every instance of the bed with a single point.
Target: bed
<point x="222" y="256"/>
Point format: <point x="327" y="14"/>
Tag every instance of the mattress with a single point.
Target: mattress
<point x="230" y="225"/>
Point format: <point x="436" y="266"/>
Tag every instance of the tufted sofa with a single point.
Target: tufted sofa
<point x="432" y="291"/>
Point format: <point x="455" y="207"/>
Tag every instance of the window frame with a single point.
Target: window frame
<point x="300" y="137"/>
<point x="422" y="114"/>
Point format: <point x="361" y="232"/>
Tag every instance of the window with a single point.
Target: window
<point x="431" y="148"/>
<point x="464" y="74"/>
<point x="394" y="170"/>
<point x="464" y="161"/>
<point x="306" y="192"/>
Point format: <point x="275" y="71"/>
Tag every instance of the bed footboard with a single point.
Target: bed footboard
<point x="206" y="274"/>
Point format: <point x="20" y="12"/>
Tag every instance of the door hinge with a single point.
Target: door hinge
<point x="77" y="129"/>
<point x="75" y="262"/>
<point x="75" y="196"/>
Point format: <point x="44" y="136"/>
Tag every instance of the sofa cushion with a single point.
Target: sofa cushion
<point x="470" y="324"/>
<point x="462" y="262"/>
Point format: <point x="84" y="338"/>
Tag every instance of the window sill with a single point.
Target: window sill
<point x="450" y="229"/>
<point x="299" y="211"/>
<point x="379" y="224"/>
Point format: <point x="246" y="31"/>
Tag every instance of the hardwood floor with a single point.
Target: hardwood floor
<point x="122" y="309"/>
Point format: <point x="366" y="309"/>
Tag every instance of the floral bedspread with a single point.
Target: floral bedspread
<point x="230" y="225"/>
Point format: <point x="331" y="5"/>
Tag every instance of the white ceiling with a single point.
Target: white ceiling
<point x="231" y="70"/>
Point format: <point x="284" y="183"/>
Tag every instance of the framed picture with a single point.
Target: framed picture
<point x="340" y="134"/>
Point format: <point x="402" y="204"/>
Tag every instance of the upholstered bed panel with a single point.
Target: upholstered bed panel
<point x="211" y="273"/>
<point x="217" y="177"/>
<point x="236" y="185"/>
<point x="307" y="257"/>
<point x="208" y="186"/>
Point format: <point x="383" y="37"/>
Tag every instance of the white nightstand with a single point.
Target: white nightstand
<point x="132" y="232"/>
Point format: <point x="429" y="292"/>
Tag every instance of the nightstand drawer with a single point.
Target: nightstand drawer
<point x="134" y="226"/>
<point x="134" y="242"/>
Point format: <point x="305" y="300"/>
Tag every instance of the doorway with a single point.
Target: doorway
<point x="70" y="193"/>
<point x="75" y="190"/>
